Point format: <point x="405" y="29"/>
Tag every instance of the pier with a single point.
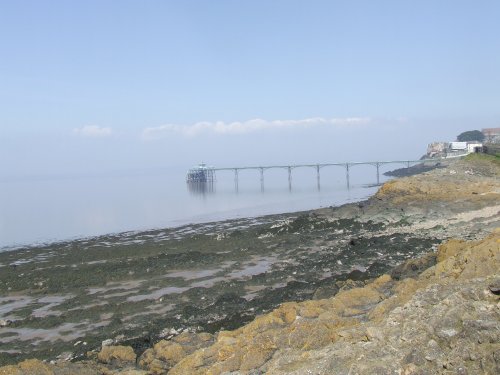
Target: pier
<point x="210" y="171"/>
<point x="201" y="179"/>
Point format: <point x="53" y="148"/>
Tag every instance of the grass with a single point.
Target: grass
<point x="484" y="157"/>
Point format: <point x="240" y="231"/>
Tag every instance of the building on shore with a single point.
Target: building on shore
<point x="436" y="149"/>
<point x="451" y="149"/>
<point x="491" y="135"/>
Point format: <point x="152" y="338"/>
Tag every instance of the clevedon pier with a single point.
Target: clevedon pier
<point x="202" y="178"/>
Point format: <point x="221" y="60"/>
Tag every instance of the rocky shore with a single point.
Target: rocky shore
<point x="377" y="287"/>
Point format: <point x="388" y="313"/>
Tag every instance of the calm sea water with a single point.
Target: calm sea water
<point x="51" y="209"/>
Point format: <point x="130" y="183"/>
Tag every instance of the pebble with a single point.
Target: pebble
<point x="107" y="342"/>
<point x="495" y="289"/>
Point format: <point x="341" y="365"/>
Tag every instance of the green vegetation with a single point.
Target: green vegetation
<point x="484" y="158"/>
<point x="471" y="135"/>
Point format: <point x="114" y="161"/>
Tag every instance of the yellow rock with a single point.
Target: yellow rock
<point x="255" y="358"/>
<point x="231" y="363"/>
<point x="381" y="280"/>
<point x="166" y="354"/>
<point x="147" y="357"/>
<point x="471" y="259"/>
<point x="169" y="351"/>
<point x="225" y="352"/>
<point x="450" y="248"/>
<point x="10" y="370"/>
<point x="287" y="312"/>
<point x="264" y="322"/>
<point x="183" y="338"/>
<point x="429" y="187"/>
<point x="310" y="334"/>
<point x="119" y="353"/>
<point x="223" y="334"/>
<point x="192" y="364"/>
<point x="205" y="336"/>
<point x="348" y="302"/>
<point x="226" y="340"/>
<point x="403" y="291"/>
<point x="27" y="367"/>
<point x="311" y="311"/>
<point x="35" y="367"/>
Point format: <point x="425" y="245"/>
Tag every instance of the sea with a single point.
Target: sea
<point x="44" y="209"/>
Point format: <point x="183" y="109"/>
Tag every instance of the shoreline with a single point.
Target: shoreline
<point x="315" y="254"/>
<point x="195" y="221"/>
<point x="396" y="173"/>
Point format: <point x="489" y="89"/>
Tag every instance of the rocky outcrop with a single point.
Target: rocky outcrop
<point x="117" y="355"/>
<point x="166" y="354"/>
<point x="446" y="320"/>
<point x="472" y="180"/>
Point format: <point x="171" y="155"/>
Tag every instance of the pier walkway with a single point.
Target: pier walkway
<point x="319" y="166"/>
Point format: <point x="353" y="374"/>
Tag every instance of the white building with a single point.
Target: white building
<point x="473" y="147"/>
<point x="458" y="146"/>
<point x="452" y="149"/>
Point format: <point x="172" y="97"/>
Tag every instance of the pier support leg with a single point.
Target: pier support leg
<point x="407" y="166"/>
<point x="318" y="177"/>
<point x="377" y="165"/>
<point x="290" y="178"/>
<point x="347" y="175"/>
<point x="236" y="180"/>
<point x="262" y="179"/>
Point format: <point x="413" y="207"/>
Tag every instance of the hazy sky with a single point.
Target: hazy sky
<point x="96" y="86"/>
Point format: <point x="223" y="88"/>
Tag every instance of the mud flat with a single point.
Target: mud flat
<point x="156" y="298"/>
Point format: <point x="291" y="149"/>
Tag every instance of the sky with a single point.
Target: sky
<point x="101" y="86"/>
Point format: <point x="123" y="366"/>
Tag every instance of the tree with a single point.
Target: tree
<point x="470" y="136"/>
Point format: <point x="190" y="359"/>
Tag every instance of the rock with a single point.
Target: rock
<point x="349" y="284"/>
<point x="117" y="355"/>
<point x="166" y="354"/>
<point x="326" y="291"/>
<point x="30" y="366"/>
<point x="418" y="325"/>
<point x="357" y="275"/>
<point x="255" y="359"/>
<point x="107" y="342"/>
<point x="475" y="260"/>
<point x="436" y="186"/>
<point x="495" y="288"/>
<point x="413" y="267"/>
<point x="36" y="367"/>
<point x="450" y="248"/>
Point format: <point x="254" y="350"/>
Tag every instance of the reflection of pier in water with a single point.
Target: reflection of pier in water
<point x="206" y="175"/>
<point x="201" y="188"/>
